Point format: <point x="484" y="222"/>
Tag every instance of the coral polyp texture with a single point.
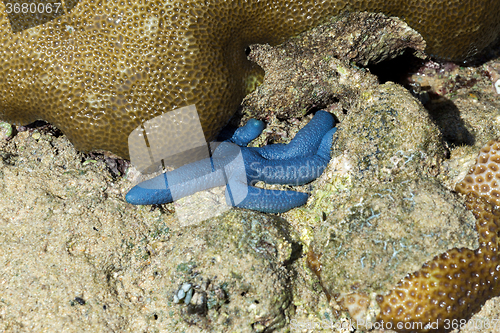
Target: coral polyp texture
<point x="484" y="180"/>
<point x="454" y="285"/>
<point x="100" y="70"/>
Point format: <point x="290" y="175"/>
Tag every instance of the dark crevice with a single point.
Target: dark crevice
<point x="397" y="69"/>
<point x="42" y="126"/>
<point x="442" y="111"/>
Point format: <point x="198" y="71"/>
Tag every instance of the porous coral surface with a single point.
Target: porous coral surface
<point x="453" y="285"/>
<point x="99" y="70"/>
<point x="83" y="260"/>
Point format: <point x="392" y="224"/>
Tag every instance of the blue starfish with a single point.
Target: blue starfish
<point x="240" y="167"/>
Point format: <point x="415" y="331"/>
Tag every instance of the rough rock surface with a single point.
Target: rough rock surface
<point x="77" y="258"/>
<point x="318" y="64"/>
<point x="87" y="261"/>
<point x="397" y="216"/>
<point x="379" y="233"/>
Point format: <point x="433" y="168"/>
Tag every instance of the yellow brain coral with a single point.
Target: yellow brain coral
<point x="454" y="285"/>
<point x="101" y="68"/>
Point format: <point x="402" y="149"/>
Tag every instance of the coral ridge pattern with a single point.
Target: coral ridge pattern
<point x="99" y="70"/>
<point x="454" y="285"/>
<point x="299" y="162"/>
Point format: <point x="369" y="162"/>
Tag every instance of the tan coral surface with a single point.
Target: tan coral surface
<point x="484" y="179"/>
<point x="454" y="285"/>
<point x="102" y="69"/>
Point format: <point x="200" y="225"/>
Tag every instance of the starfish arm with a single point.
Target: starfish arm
<point x="296" y="171"/>
<point x="306" y="157"/>
<point x="150" y="192"/>
<point x="262" y="200"/>
<point x="244" y="135"/>
<point x="186" y="180"/>
<point x="305" y="142"/>
<point x="325" y="147"/>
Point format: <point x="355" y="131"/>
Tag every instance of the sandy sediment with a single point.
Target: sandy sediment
<point x="76" y="257"/>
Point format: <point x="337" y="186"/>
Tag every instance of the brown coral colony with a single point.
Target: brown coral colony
<point x="485" y="179"/>
<point x="451" y="287"/>
<point x="101" y="69"/>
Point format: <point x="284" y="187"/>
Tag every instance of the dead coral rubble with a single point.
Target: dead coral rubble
<point x="314" y="70"/>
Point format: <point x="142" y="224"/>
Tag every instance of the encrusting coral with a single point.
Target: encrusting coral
<point x="99" y="70"/>
<point x="449" y="289"/>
